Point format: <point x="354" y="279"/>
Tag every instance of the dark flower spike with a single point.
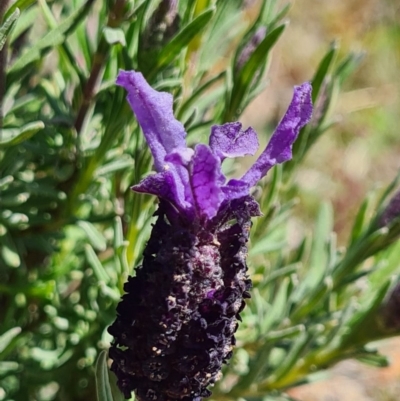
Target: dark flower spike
<point x="175" y="325"/>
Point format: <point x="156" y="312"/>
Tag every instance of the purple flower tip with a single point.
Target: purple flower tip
<point x="192" y="182"/>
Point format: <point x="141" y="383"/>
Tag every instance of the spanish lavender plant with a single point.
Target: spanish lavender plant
<point x="72" y="231"/>
<point x="175" y="326"/>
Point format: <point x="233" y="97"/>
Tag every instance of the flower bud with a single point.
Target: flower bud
<point x="391" y="212"/>
<point x="390" y="311"/>
<point x="162" y="25"/>
<point x="249" y="48"/>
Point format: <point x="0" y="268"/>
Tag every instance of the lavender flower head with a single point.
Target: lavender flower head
<point x="175" y="325"/>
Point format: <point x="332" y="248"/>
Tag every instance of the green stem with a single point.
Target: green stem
<point x="99" y="59"/>
<point x="92" y="83"/>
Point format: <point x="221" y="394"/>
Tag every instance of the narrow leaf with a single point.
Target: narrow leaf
<point x="374" y="359"/>
<point x="14" y="136"/>
<point x="9" y="252"/>
<point x="19" y="4"/>
<point x="95" y="237"/>
<point x="323" y="70"/>
<point x="245" y="77"/>
<point x="7" y="337"/>
<point x="183" y="38"/>
<point x="7" y="27"/>
<point x="114" y="36"/>
<point x="103" y="388"/>
<point x="95" y="263"/>
<point x="361" y="221"/>
<point x="122" y="163"/>
<point x="53" y="38"/>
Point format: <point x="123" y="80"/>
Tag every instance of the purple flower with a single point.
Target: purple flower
<point x="191" y="180"/>
<point x="175" y="325"/>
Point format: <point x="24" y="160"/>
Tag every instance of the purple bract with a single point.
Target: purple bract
<point x="191" y="180"/>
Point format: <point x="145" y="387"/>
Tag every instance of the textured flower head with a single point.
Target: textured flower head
<point x="176" y="322"/>
<point x="191" y="180"/>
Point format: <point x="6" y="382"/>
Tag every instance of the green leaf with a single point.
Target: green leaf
<point x="322" y="70"/>
<point x="323" y="229"/>
<point x="384" y="198"/>
<point x="14" y="136"/>
<point x="19" y="4"/>
<point x="361" y="221"/>
<point x="278" y="311"/>
<point x="363" y="327"/>
<point x="12" y="199"/>
<point x="267" y="245"/>
<point x="7" y="27"/>
<point x="11" y="257"/>
<point x="110" y="292"/>
<point x="244" y="79"/>
<point x="118" y="232"/>
<point x="348" y="66"/>
<point x="282" y="272"/>
<point x="95" y="263"/>
<point x="25" y="21"/>
<point x="388" y="268"/>
<point x="7" y="337"/>
<point x="6" y="181"/>
<point x="273" y="187"/>
<point x="119" y="164"/>
<point x="374" y="359"/>
<point x="95" y="237"/>
<point x="65" y="53"/>
<point x="282" y="13"/>
<point x="197" y="93"/>
<point x="53" y="38"/>
<point x="114" y="36"/>
<point x="297" y="349"/>
<point x="8" y="366"/>
<point x="285" y="333"/>
<point x="319" y="256"/>
<point x="9" y="252"/>
<point x="183" y="38"/>
<point x="41" y="289"/>
<point x="103" y="388"/>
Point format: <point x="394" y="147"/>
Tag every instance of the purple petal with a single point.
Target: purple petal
<point x="229" y="140"/>
<point x="166" y="185"/>
<point x="180" y="156"/>
<point x="279" y="148"/>
<point x="235" y="189"/>
<point x="205" y="181"/>
<point x="154" y="113"/>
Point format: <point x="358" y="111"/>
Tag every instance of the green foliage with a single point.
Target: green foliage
<point x="71" y="231"/>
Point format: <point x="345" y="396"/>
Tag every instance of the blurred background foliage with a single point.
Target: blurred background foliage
<point x="324" y="266"/>
<point x="362" y="148"/>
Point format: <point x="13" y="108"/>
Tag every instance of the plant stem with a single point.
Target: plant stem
<point x="100" y="57"/>
<point x="91" y="85"/>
